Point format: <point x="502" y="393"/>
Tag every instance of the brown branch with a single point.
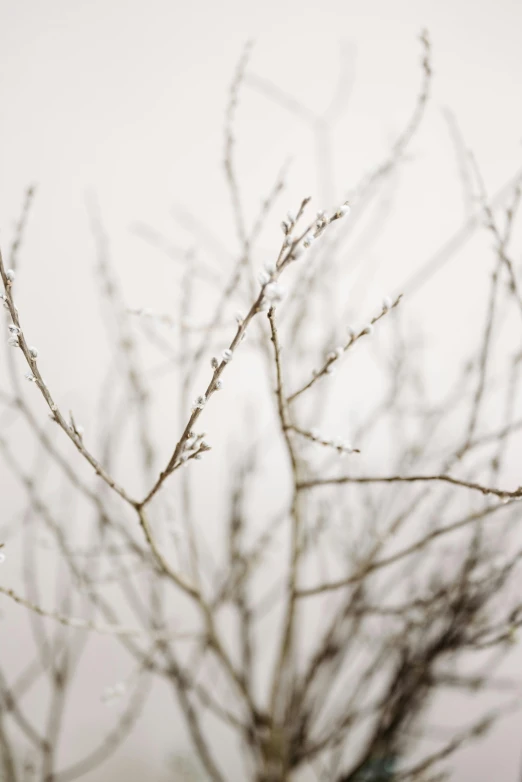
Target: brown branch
<point x="504" y="494"/>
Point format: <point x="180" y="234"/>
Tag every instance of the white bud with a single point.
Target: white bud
<point x="10" y="275"/>
<point x="80" y="430"/>
<point x="2" y="557"/>
<point x="219" y="383"/>
<point x="274" y="292"/>
<point x="239" y="318"/>
<point x="339" y="352"/>
<point x="199" y="403"/>
<point x="227" y="355"/>
<point x="270" y="267"/>
<point x="344" y="210"/>
<point x="14" y="330"/>
<point x="368" y="329"/>
<point x="330" y="369"/>
<point x="214" y="363"/>
<point x="34" y="352"/>
<point x="13" y="342"/>
<point x="386" y="303"/>
<point x="30" y="377"/>
<point x="308" y="240"/>
<point x="73" y="622"/>
<point x="116" y="691"/>
<point x="263" y="278"/>
<point x="291" y="216"/>
<point x="342" y="445"/>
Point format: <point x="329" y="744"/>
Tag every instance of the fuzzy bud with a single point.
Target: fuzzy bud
<point x="274" y="292"/>
<point x="199" y="403"/>
<point x="114" y="692"/>
<point x="343" y="210"/>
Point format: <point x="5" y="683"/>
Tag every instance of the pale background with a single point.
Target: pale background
<point x="127" y="99"/>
